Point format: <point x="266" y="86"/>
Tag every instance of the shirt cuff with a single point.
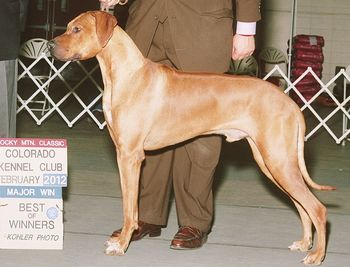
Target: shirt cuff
<point x="246" y="28"/>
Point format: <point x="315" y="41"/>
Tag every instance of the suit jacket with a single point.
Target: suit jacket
<point x="201" y="29"/>
<point x="9" y="29"/>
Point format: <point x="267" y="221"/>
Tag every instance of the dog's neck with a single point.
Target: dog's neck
<point x="119" y="60"/>
<point x="128" y="57"/>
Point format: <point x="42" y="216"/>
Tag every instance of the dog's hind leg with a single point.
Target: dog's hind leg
<point x="297" y="189"/>
<point x="306" y="203"/>
<point x="285" y="170"/>
<point x="306" y="242"/>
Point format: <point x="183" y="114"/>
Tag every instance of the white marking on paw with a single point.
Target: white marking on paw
<point x="301" y="246"/>
<point x="113" y="248"/>
<point x="294" y="246"/>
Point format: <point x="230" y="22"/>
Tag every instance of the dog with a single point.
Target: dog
<point x="146" y="107"/>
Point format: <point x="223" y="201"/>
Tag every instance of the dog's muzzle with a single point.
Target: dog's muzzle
<point x="51" y="45"/>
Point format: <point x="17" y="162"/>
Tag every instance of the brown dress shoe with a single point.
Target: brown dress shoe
<point x="152" y="230"/>
<point x="188" y="237"/>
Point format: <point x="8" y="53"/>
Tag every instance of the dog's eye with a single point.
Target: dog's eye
<point x="76" y="29"/>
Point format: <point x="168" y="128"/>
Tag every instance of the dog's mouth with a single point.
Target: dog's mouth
<point x="57" y="56"/>
<point x="75" y="57"/>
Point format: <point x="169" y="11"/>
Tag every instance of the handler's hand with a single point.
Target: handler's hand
<point x="107" y="3"/>
<point x="243" y="46"/>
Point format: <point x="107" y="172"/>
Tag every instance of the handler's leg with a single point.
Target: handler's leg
<point x="156" y="175"/>
<point x="155" y="187"/>
<point x="193" y="171"/>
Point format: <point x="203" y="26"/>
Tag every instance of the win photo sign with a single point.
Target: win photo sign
<point x="32" y="174"/>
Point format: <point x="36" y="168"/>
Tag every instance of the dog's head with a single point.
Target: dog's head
<point x="85" y="37"/>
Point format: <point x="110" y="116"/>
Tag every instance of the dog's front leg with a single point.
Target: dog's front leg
<point x="129" y="165"/>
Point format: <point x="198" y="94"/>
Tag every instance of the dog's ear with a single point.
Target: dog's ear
<point x="105" y="24"/>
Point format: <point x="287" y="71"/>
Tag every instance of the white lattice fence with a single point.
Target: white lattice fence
<point x="85" y="106"/>
<point x="324" y="120"/>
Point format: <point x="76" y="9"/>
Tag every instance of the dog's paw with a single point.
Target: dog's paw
<point x="113" y="248"/>
<point x="301" y="245"/>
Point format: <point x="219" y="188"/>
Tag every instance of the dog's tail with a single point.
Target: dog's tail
<point x="301" y="161"/>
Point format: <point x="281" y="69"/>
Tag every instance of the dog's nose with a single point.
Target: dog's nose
<point x="51" y="45"/>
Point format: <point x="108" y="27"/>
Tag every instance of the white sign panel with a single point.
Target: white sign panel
<point x="31" y="217"/>
<point x="33" y="162"/>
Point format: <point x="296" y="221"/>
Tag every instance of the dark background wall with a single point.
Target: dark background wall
<point x="48" y="18"/>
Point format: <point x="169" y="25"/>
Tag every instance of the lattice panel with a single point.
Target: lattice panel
<point x="69" y="91"/>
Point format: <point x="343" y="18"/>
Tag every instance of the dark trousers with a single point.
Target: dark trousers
<point x="188" y="168"/>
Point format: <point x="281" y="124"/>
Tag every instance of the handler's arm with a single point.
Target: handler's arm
<point x="247" y="13"/>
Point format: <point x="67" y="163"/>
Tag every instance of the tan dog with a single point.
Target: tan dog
<point x="148" y="106"/>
